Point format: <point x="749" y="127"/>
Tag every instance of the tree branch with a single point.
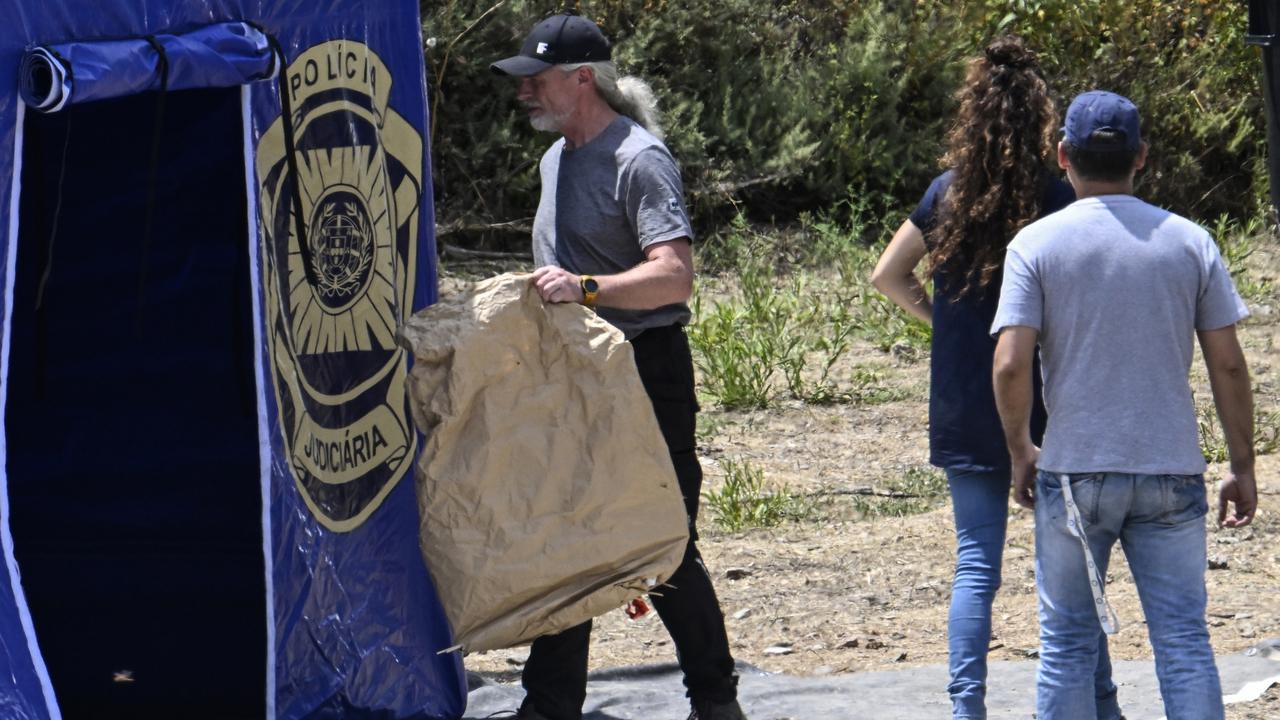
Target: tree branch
<point x="514" y="227"/>
<point x="444" y="63"/>
<point x="458" y="253"/>
<point x="867" y="491"/>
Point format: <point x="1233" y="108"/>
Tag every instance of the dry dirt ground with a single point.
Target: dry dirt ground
<point x="840" y="591"/>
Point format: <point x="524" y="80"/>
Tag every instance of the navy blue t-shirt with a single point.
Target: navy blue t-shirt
<point x="964" y="426"/>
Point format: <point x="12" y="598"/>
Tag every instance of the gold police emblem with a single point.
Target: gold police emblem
<point x="333" y="305"/>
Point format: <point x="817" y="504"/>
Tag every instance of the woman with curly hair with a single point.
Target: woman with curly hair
<point x="997" y="181"/>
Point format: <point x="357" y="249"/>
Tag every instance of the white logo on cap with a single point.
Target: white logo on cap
<point x="542" y="49"/>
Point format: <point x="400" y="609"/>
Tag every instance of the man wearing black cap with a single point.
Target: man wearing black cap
<point x="612" y="233"/>
<point x="1113" y="289"/>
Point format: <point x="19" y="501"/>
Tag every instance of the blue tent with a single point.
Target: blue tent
<point x="206" y="500"/>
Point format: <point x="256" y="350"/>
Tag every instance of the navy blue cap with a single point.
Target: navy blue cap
<point x="1101" y="110"/>
<point x="561" y="39"/>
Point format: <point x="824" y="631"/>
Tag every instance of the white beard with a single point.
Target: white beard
<point x="544" y="123"/>
<point x="547" y="121"/>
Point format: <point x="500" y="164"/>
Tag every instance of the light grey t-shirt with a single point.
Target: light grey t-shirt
<point x="1117" y="289"/>
<point x="603" y="203"/>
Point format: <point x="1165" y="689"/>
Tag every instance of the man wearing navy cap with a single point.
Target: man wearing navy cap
<point x="1113" y="289"/>
<point x="612" y="233"/>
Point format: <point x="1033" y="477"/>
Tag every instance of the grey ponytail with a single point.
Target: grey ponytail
<point x="628" y="95"/>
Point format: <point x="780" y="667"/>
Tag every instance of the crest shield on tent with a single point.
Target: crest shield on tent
<point x="339" y="376"/>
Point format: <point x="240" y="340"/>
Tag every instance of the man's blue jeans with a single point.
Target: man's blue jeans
<point x="1159" y="521"/>
<point x="980" y="501"/>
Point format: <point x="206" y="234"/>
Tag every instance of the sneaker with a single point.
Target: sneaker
<point x="706" y="710"/>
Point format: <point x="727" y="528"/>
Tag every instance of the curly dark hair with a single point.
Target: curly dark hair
<point x="998" y="148"/>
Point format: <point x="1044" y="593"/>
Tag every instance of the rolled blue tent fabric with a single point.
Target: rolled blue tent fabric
<point x="44" y="83"/>
<point x="220" y="55"/>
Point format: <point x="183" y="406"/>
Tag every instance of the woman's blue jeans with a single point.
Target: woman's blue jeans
<point x="980" y="500"/>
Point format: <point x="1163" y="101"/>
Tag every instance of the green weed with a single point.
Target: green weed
<point x="1213" y="444"/>
<point x="889" y="328"/>
<point x="800" y="302"/>
<point x="1237" y="241"/>
<point x="870" y="389"/>
<point x="710" y="424"/>
<point x="744" y="500"/>
<point x="739" y="343"/>
<point x="1266" y="433"/>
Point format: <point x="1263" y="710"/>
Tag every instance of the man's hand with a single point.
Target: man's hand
<point x="557" y="285"/>
<point x="1024" y="477"/>
<point x="1015" y="394"/>
<point x="1241" y="491"/>
<point x="1233" y="396"/>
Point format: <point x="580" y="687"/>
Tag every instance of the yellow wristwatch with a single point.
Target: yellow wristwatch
<point x="590" y="289"/>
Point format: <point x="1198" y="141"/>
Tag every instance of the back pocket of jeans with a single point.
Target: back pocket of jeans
<point x="1185" y="498"/>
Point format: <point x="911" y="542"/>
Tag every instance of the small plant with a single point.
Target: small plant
<point x="710" y="424"/>
<point x="736" y="357"/>
<point x="723" y="251"/>
<point x="869" y="388"/>
<point x="1237" y="241"/>
<point x="827" y="340"/>
<point x="1266" y="433"/>
<point x="743" y="501"/>
<point x="785" y="328"/>
<point x="889" y="327"/>
<point x="740" y="341"/>
<point x="1212" y="444"/>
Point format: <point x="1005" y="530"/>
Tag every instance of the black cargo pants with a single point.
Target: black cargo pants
<point x="555" y="676"/>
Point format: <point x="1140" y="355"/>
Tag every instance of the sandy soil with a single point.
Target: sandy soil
<point x="839" y="592"/>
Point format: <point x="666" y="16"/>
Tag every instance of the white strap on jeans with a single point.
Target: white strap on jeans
<point x="1097" y="583"/>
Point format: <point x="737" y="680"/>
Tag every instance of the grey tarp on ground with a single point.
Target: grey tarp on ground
<point x="655" y="692"/>
<point x="547" y="493"/>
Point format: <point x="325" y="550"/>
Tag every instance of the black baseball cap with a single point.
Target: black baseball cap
<point x="558" y="40"/>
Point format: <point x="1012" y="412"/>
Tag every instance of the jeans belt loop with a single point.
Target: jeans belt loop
<point x="1097" y="583"/>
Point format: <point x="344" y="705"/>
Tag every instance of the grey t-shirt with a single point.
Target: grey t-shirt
<point x="603" y="203"/>
<point x="1117" y="289"/>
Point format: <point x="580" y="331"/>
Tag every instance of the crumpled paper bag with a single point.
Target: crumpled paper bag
<point x="546" y="490"/>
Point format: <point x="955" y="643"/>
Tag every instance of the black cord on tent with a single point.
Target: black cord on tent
<point x="291" y="161"/>
<point x="57" y="213"/>
<point x="162" y="69"/>
<point x="42" y="338"/>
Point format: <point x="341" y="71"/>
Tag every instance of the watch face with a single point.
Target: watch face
<point x="590" y="285"/>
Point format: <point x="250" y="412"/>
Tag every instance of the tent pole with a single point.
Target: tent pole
<point x="1263" y="31"/>
<point x="264" y="429"/>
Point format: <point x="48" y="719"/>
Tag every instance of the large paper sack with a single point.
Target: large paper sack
<point x="546" y="489"/>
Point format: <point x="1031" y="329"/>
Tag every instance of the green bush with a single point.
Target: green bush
<point x="484" y="155"/>
<point x="774" y="109"/>
<point x="1185" y="64"/>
